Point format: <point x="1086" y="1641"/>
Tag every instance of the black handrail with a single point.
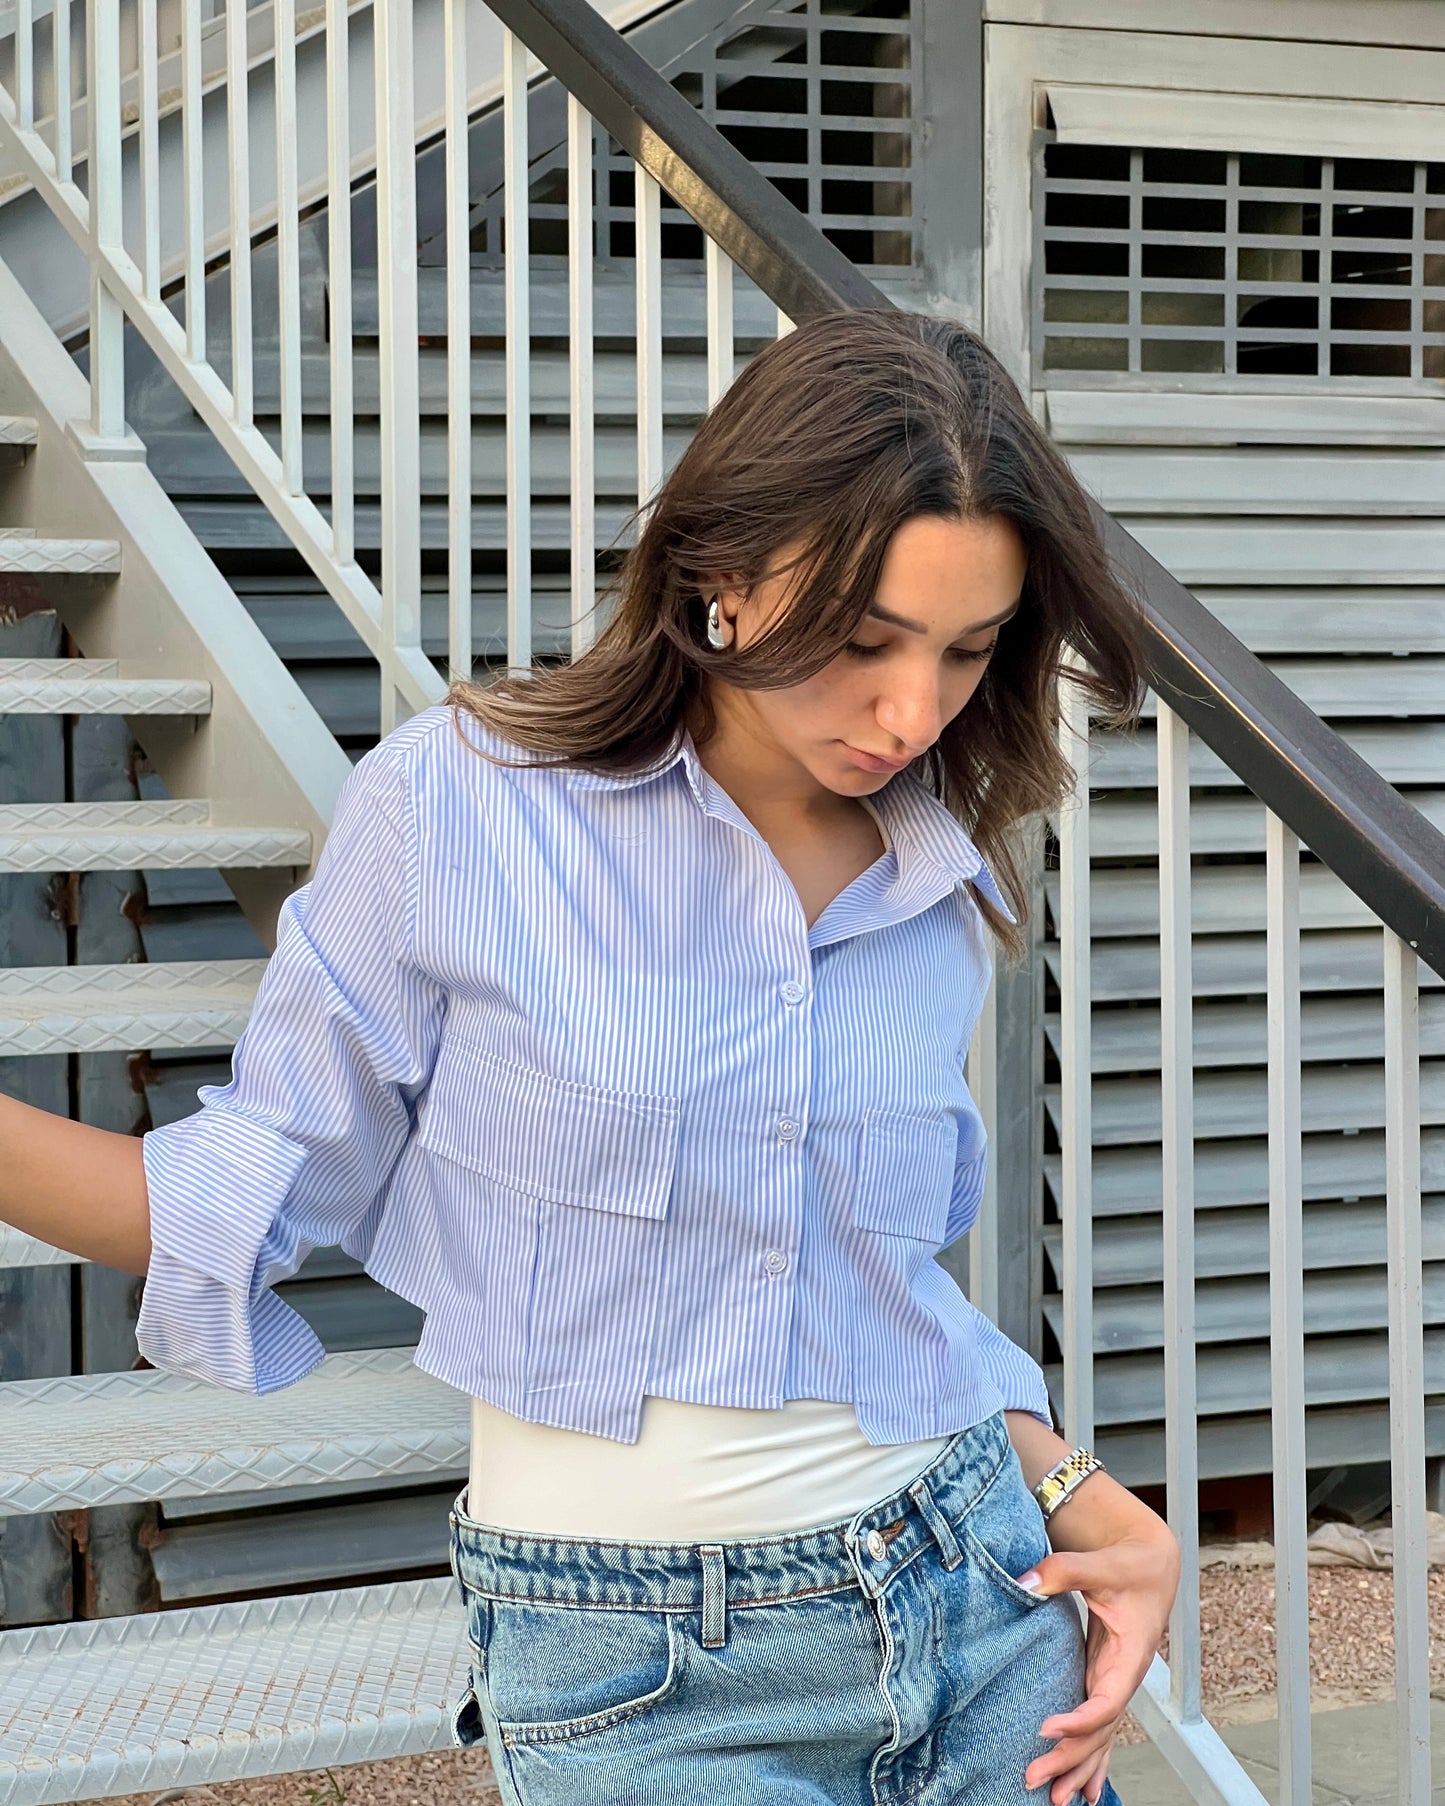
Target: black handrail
<point x="1382" y="847"/>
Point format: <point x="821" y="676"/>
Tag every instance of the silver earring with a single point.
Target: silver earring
<point x="717" y="637"/>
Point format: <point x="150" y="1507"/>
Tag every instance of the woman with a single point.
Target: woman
<point x="622" y="1030"/>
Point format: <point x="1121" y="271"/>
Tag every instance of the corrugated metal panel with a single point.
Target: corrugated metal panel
<point x="1313" y="523"/>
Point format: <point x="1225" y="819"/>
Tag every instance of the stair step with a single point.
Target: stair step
<point x="124" y="837"/>
<point x="17" y="532"/>
<point x="17" y="435"/>
<point x="18" y="1250"/>
<point x="92" y="686"/>
<point x="219" y="1692"/>
<point x="107" y="1438"/>
<point x="36" y="557"/>
<point x="123" y="1008"/>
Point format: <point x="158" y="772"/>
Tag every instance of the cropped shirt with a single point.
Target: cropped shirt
<point x="557" y="1057"/>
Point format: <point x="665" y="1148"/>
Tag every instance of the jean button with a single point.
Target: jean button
<point x="877" y="1548"/>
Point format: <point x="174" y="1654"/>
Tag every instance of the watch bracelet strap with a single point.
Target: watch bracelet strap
<point x="1064" y="1477"/>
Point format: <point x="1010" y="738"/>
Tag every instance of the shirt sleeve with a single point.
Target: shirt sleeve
<point x="300" y="1145"/>
<point x="1017" y="1375"/>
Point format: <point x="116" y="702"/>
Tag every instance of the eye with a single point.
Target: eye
<point x="858" y="651"/>
<point x="975" y="657"/>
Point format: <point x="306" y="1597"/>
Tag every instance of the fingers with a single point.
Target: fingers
<point x="1084" y="1776"/>
<point x="1097" y="1711"/>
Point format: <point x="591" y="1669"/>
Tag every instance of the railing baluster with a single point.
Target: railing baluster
<point x="1286" y="1312"/>
<point x="648" y="214"/>
<point x="338" y="283"/>
<point x="1176" y="1080"/>
<point x="288" y="249"/>
<point x="399" y="355"/>
<point x="150" y="175"/>
<point x="1076" y="1062"/>
<point x="107" y="319"/>
<point x="1407" y="1371"/>
<point x="582" y="388"/>
<point x="517" y="285"/>
<point x="193" y="188"/>
<point x="459" y="348"/>
<point x="982" y="1073"/>
<point x="721" y="356"/>
<point x="25" y="64"/>
<point x="64" y="99"/>
<point x="238" y="139"/>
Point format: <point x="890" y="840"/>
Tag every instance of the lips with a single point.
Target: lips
<point x="875" y="761"/>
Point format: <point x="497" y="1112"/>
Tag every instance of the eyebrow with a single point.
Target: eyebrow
<point x="893" y="620"/>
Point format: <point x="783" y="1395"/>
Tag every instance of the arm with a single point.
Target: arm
<point x="76" y="1187"/>
<point x="297" y="1150"/>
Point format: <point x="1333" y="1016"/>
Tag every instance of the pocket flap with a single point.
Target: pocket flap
<point x="557" y="1139"/>
<point x="905" y="1172"/>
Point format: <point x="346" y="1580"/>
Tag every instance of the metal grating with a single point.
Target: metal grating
<point x="819" y="98"/>
<point x="1213" y="267"/>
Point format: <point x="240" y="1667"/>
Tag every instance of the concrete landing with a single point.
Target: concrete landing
<point x="1354" y="1760"/>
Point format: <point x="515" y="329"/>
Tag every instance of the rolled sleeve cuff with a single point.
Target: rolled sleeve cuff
<point x="217" y="1184"/>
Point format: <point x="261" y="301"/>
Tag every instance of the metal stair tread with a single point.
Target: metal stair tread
<point x="183" y="1003"/>
<point x="18" y="429"/>
<point x="219" y="1692"/>
<point x="93" y="686"/>
<point x="103" y="1439"/>
<point x="39" y="557"/>
<point x="135" y="836"/>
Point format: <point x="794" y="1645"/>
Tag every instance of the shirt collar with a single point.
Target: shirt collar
<point x="918" y="824"/>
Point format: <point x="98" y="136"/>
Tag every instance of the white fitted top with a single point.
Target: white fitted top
<point x="697" y="1473"/>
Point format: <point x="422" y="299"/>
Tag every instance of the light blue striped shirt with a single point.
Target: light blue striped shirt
<point x="558" y="1058"/>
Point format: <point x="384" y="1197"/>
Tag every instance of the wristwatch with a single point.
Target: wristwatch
<point x="1062" y="1478"/>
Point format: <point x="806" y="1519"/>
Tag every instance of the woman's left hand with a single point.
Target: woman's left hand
<point x="1124" y="1561"/>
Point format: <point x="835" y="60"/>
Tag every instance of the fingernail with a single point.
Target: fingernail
<point x="1030" y="1582"/>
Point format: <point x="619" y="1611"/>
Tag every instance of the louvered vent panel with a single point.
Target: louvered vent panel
<point x="1211" y="266"/>
<point x="1243" y="358"/>
<point x="818" y="97"/>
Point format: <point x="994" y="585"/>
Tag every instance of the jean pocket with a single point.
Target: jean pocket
<point x="558" y="1672"/>
<point x="465" y="1721"/>
<point x="1004" y="1531"/>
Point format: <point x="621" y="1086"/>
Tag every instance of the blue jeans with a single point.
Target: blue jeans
<point x="888" y="1659"/>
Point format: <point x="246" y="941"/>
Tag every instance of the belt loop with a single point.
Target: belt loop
<point x="714" y="1596"/>
<point x="937" y="1522"/>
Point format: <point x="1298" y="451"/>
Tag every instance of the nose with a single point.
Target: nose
<point x="910" y="710"/>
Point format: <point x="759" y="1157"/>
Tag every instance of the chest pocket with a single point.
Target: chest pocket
<point x="551" y="1138"/>
<point x="905" y="1173"/>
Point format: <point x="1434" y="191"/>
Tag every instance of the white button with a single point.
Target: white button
<point x="775" y="1260"/>
<point x="792" y="991"/>
<point x="787" y="1128"/>
<point x="877" y="1548"/>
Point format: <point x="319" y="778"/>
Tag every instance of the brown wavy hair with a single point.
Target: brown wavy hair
<point x="830" y="439"/>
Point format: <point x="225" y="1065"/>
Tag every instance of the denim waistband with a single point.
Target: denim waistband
<point x="864" y="1550"/>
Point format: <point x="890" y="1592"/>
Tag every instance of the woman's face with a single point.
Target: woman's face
<point x="946" y="588"/>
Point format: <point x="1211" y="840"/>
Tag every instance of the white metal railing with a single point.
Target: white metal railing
<point x="1169" y="1702"/>
<point x="316" y="509"/>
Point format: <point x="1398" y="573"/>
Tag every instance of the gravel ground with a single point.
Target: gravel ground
<point x="1351" y="1656"/>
